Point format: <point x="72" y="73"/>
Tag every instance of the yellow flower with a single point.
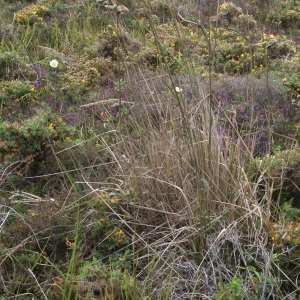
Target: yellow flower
<point x="284" y="79"/>
<point x="50" y="126"/>
<point x="32" y="89"/>
<point x="101" y="222"/>
<point x="114" y="200"/>
<point x="271" y="36"/>
<point x="67" y="138"/>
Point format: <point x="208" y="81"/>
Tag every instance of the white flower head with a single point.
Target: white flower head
<point x="54" y="63"/>
<point x="178" y="89"/>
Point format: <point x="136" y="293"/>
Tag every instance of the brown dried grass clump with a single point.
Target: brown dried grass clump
<point x="188" y="188"/>
<point x="182" y="167"/>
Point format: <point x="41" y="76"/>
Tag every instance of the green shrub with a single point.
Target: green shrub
<point x="11" y="65"/>
<point x="231" y="290"/>
<point x="16" y="92"/>
<point x="32" y="14"/>
<point x="286" y="16"/>
<point x="30" y="139"/>
<point x="84" y="75"/>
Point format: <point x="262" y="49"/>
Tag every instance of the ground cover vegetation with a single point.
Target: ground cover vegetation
<point x="149" y="149"/>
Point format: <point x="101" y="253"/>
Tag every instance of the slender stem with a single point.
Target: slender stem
<point x="32" y="274"/>
<point x="119" y="66"/>
<point x="208" y="41"/>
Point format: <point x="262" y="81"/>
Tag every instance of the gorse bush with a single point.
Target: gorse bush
<point x="32" y="14"/>
<point x="86" y="75"/>
<point x="285" y="16"/>
<point x="30" y="140"/>
<point x="17" y="92"/>
<point x="12" y="65"/>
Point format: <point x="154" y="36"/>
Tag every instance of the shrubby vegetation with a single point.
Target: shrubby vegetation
<point x="149" y="149"/>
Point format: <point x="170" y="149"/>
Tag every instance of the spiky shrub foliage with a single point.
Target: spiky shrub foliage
<point x="166" y="34"/>
<point x="232" y="52"/>
<point x="75" y="75"/>
<point x="277" y="167"/>
<point x="16" y="93"/>
<point x="262" y="5"/>
<point x="285" y="16"/>
<point x="29" y="140"/>
<point x="12" y="65"/>
<point x="116" y="43"/>
<point x="229" y="13"/>
<point x="248" y="53"/>
<point x="32" y="14"/>
<point x="84" y="75"/>
<point x="289" y="75"/>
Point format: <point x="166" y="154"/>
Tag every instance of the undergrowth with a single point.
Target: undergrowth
<point x="149" y="150"/>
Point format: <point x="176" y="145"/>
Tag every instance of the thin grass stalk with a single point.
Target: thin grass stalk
<point x="68" y="290"/>
<point x="119" y="65"/>
<point x="194" y="139"/>
<point x="207" y="112"/>
<point x="64" y="171"/>
<point x="173" y="86"/>
<point x="32" y="274"/>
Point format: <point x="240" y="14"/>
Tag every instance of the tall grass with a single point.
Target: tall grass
<point x="192" y="191"/>
<point x="187" y="191"/>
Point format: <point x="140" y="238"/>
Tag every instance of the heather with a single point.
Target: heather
<point x="149" y="149"/>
